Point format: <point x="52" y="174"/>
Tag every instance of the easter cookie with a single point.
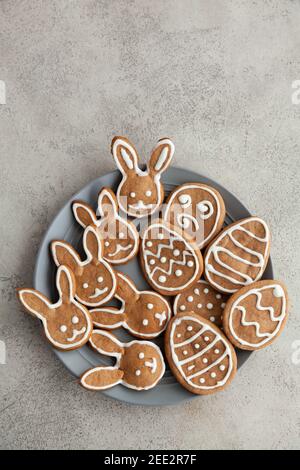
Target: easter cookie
<point x="200" y="356"/>
<point x="121" y="239"/>
<point x="202" y="299"/>
<point x="95" y="279"/>
<point x="141" y="192"/>
<point x="139" y="364"/>
<point x="145" y="314"/>
<point x="67" y="324"/>
<point x="197" y="209"/>
<point x="171" y="263"/>
<point x="238" y="255"/>
<point x="255" y="315"/>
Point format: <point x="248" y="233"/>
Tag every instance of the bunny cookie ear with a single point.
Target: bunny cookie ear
<point x="84" y="214"/>
<point x="106" y="343"/>
<point x="92" y="243"/>
<point x="125" y="155"/>
<point x="65" y="283"/>
<point x="126" y="290"/>
<point x="64" y="253"/>
<point x="107" y="203"/>
<point x="101" y="378"/>
<point x="109" y="317"/>
<point x="161" y="156"/>
<point x="34" y="302"/>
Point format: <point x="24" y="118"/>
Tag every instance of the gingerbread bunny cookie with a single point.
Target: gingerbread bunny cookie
<point x="144" y="313"/>
<point x="67" y="324"/>
<point x="198" y="209"/>
<point x="121" y="239"/>
<point x="95" y="279"/>
<point x="140" y="193"/>
<point x="139" y="364"/>
<point x="199" y="354"/>
<point x="170" y="261"/>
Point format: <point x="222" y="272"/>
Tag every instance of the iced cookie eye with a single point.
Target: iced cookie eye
<point x="132" y="194"/>
<point x="75" y="320"/>
<point x="63" y="328"/>
<point x="205" y="209"/>
<point x="85" y="285"/>
<point x="100" y="279"/>
<point x="148" y="193"/>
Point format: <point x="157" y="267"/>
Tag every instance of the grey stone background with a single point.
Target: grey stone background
<point x="215" y="76"/>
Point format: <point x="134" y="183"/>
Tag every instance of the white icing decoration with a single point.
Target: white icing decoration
<point x="190" y="264"/>
<point x="266" y="337"/>
<point x="141" y="355"/>
<point x="98" y="292"/>
<point x="190" y="298"/>
<point x="150" y="306"/>
<point x="206" y="209"/>
<point x="63" y="328"/>
<point x="138" y="372"/>
<point x="191" y="367"/>
<point x="178" y="335"/>
<point x="145" y="322"/>
<point x="148" y="193"/>
<point x="216" y="351"/>
<point x="222" y="367"/>
<point x="215" y="249"/>
<point x="209" y="306"/>
<point x="149" y="244"/>
<point x="190" y="328"/>
<point x="120" y="248"/>
<point x="218" y="296"/>
<point x="127" y="158"/>
<point x="278" y="291"/>
<point x="212" y="319"/>
<point x="161" y="159"/>
<point x="202" y="380"/>
<point x="85" y="285"/>
<point x="206" y="338"/>
<point x="185" y="352"/>
<point x="197" y="346"/>
<point x="206" y="291"/>
<point x="152" y="261"/>
<point x="223" y="305"/>
<point x="152" y="365"/>
<point x="178" y="273"/>
<point x="196" y="291"/>
<point x="185" y="200"/>
<point x="205" y="360"/>
<point x="162" y="279"/>
<point x="176" y="252"/>
<point x="100" y="279"/>
<point x="163" y="259"/>
<point x="132" y="194"/>
<point x="199" y="305"/>
<point x="161" y="317"/>
<point x="106" y="243"/>
<point x="76" y="333"/>
<point x="213" y="375"/>
<point x="160" y="236"/>
<point x="75" y="320"/>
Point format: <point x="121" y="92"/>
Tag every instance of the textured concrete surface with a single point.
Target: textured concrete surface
<point x="216" y="77"/>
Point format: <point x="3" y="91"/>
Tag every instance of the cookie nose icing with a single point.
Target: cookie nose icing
<point x="161" y="317"/>
<point x="98" y="292"/>
<point x="152" y="365"/>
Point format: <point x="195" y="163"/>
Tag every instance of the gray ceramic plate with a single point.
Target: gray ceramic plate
<point x="64" y="226"/>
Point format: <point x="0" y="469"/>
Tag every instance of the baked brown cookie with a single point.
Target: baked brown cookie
<point x="67" y="323"/>
<point x="199" y="354"/>
<point x="121" y="238"/>
<point x="198" y="209"/>
<point x="170" y="261"/>
<point x="145" y="314"/>
<point x="256" y="315"/>
<point x="139" y="364"/>
<point x="202" y="299"/>
<point x="238" y="255"/>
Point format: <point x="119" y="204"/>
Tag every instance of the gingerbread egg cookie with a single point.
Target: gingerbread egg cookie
<point x="145" y="314"/>
<point x="200" y="356"/>
<point x="67" y="323"/>
<point x="171" y="262"/>
<point x="238" y="255"/>
<point x="139" y="364"/>
<point x="202" y="299"/>
<point x="197" y="209"/>
<point x="121" y="239"/>
<point x="141" y="192"/>
<point x="255" y="315"/>
<point x="95" y="279"/>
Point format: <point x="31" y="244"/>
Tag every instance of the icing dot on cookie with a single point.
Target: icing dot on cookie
<point x="145" y="322"/>
<point x="149" y="244"/>
<point x="148" y="193"/>
<point x="196" y="291"/>
<point x="106" y="243"/>
<point x="190" y="264"/>
<point x="75" y="320"/>
<point x="222" y="367"/>
<point x="85" y="285"/>
<point x="185" y="352"/>
<point x="141" y="355"/>
<point x="191" y="367"/>
<point x="278" y="291"/>
<point x="189" y="328"/>
<point x="206" y="338"/>
<point x="178" y="272"/>
<point x="182" y="308"/>
<point x="213" y="375"/>
<point x="160" y="236"/>
<point x="216" y="351"/>
<point x="190" y="298"/>
<point x="209" y="267"/>
<point x="63" y="328"/>
<point x="199" y="305"/>
<point x="205" y="360"/>
<point x="176" y="252"/>
<point x="163" y="259"/>
<point x="212" y="319"/>
<point x="209" y="306"/>
<point x="132" y="194"/>
<point x="197" y="346"/>
<point x="162" y="279"/>
<point x="223" y="305"/>
<point x="150" y="306"/>
<point x="121" y="235"/>
<point x="138" y="372"/>
<point x="202" y="380"/>
<point x="178" y="335"/>
<point x="206" y="290"/>
<point x="152" y="261"/>
<point x="218" y="296"/>
<point x="100" y="279"/>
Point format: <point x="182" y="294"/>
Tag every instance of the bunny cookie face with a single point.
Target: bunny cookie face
<point x="140" y="193"/>
<point x="203" y="300"/>
<point x="139" y="364"/>
<point x="121" y="239"/>
<point x="144" y="313"/>
<point x="238" y="255"/>
<point x="255" y="315"/>
<point x="170" y="262"/>
<point x="95" y="279"/>
<point x="200" y="356"/>
<point x="67" y="324"/>
<point x="197" y="209"/>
